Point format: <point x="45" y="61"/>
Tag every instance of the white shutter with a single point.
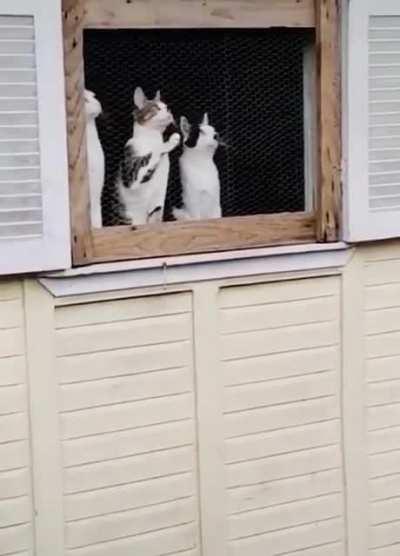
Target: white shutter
<point x="34" y="218"/>
<point x="372" y="188"/>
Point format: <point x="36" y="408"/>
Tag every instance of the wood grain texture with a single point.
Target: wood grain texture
<point x="328" y="15"/>
<point x="73" y="21"/>
<point x="120" y="243"/>
<point x="111" y="14"/>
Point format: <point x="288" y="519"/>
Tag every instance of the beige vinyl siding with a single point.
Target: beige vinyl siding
<point x="280" y="352"/>
<point x="16" y="512"/>
<point x="382" y="337"/>
<point x="126" y="410"/>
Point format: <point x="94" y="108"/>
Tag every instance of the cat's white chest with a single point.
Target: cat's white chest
<point x="201" y="186"/>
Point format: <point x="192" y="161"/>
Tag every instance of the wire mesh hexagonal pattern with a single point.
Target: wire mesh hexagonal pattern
<point x="249" y="81"/>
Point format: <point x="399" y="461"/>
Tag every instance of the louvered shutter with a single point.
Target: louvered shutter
<point x="372" y="187"/>
<point x="34" y="218"/>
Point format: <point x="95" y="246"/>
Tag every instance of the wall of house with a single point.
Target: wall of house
<point x="256" y="416"/>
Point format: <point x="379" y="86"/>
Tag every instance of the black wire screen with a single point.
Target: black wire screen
<point x="249" y="81"/>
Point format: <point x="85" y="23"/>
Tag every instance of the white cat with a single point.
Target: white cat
<point x="96" y="163"/>
<point x="198" y="172"/>
<point x="144" y="169"/>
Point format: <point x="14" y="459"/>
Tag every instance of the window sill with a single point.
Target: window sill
<point x="176" y="270"/>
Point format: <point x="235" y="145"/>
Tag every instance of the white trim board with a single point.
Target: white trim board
<point x="174" y="271"/>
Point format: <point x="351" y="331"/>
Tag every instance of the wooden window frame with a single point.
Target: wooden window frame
<point x="322" y="224"/>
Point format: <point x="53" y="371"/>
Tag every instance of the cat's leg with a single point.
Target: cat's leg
<point x="171" y="144"/>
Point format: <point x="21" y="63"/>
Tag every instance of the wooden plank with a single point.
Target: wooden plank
<point x="73" y="17"/>
<point x="281" y="365"/>
<point x="128" y="470"/>
<point x="283" y="466"/>
<point x="134" y="522"/>
<point x="284" y="516"/>
<point x="275" y="417"/>
<point x="271" y="393"/>
<point x="103" y="337"/>
<point x="102" y="447"/>
<point x="124" y="389"/>
<point x="45" y="430"/>
<point x="174" y="539"/>
<point x="126" y="361"/>
<point x="210" y="426"/>
<point x="290" y="540"/>
<point x="122" y="309"/>
<point x="257" y="446"/>
<point x="328" y="16"/>
<point x="180" y="238"/>
<point x="124" y="416"/>
<point x="114" y="14"/>
<point x="129" y="497"/>
<point x="286" y="490"/>
<point x="281" y="291"/>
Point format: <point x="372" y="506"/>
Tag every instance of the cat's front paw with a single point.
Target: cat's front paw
<point x="174" y="140"/>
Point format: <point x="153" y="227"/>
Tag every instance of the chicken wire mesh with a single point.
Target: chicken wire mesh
<point x="249" y="81"/>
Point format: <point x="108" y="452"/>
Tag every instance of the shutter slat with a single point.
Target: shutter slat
<point x="19" y="146"/>
<point x="21" y="201"/>
<point x="384" y="108"/>
<point x="8" y="133"/>
<point x="17" y="76"/>
<point x="20" y="188"/>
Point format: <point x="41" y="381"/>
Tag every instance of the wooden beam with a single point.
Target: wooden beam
<point x="173" y="238"/>
<point x="114" y="14"/>
<point x="73" y="18"/>
<point x="329" y="119"/>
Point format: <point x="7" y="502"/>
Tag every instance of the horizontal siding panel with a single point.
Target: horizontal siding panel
<point x="15" y="539"/>
<point x="282" y="365"/>
<point x="386" y="392"/>
<point x="257" y="446"/>
<point x="392" y="550"/>
<point x="384" y="487"/>
<point x="386" y="368"/>
<point x="129" y="497"/>
<point x="123" y="389"/>
<point x="281" y="491"/>
<point x="383" y="345"/>
<point x="13" y="133"/>
<point x="283" y="466"/>
<point x="23" y="201"/>
<point x="11" y="342"/>
<point x="13" y="187"/>
<point x="284" y="516"/>
<point x="107" y="446"/>
<point x="176" y="539"/>
<point x="384" y="440"/>
<point x="121" y="362"/>
<point x="15" y="511"/>
<point x="384" y="464"/>
<point x="16" y="174"/>
<point x="276" y="417"/>
<point x="8" y="104"/>
<point x="17" y="159"/>
<point x="249" y="396"/>
<point x="12" y="399"/>
<point x="14" y="483"/>
<point x="383" y="296"/>
<point x="382" y="321"/>
<point x="253" y="344"/>
<point x="13" y="427"/>
<point x="122" y="309"/>
<point x="8" y="231"/>
<point x="383" y="416"/>
<point x="103" y="337"/>
<point x="276" y="315"/>
<point x="19" y="118"/>
<point x="10" y="290"/>
<point x="12" y="370"/>
<point x="128" y="470"/>
<point x="11" y="314"/>
<point x="385" y="534"/>
<point x="289" y="540"/>
<point x="14" y="455"/>
<point x="119" y="417"/>
<point x="134" y="522"/>
<point x="275" y="292"/>
<point x="17" y="76"/>
<point x="385" y="511"/>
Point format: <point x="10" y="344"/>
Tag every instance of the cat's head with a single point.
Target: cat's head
<point x="202" y="137"/>
<point x="92" y="105"/>
<point x="153" y="114"/>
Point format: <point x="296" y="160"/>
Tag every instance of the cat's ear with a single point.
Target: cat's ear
<point x="205" y="119"/>
<point x="157" y="98"/>
<point x="185" y="127"/>
<point x="139" y="97"/>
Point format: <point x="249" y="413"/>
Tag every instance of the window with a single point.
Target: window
<point x="267" y="74"/>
